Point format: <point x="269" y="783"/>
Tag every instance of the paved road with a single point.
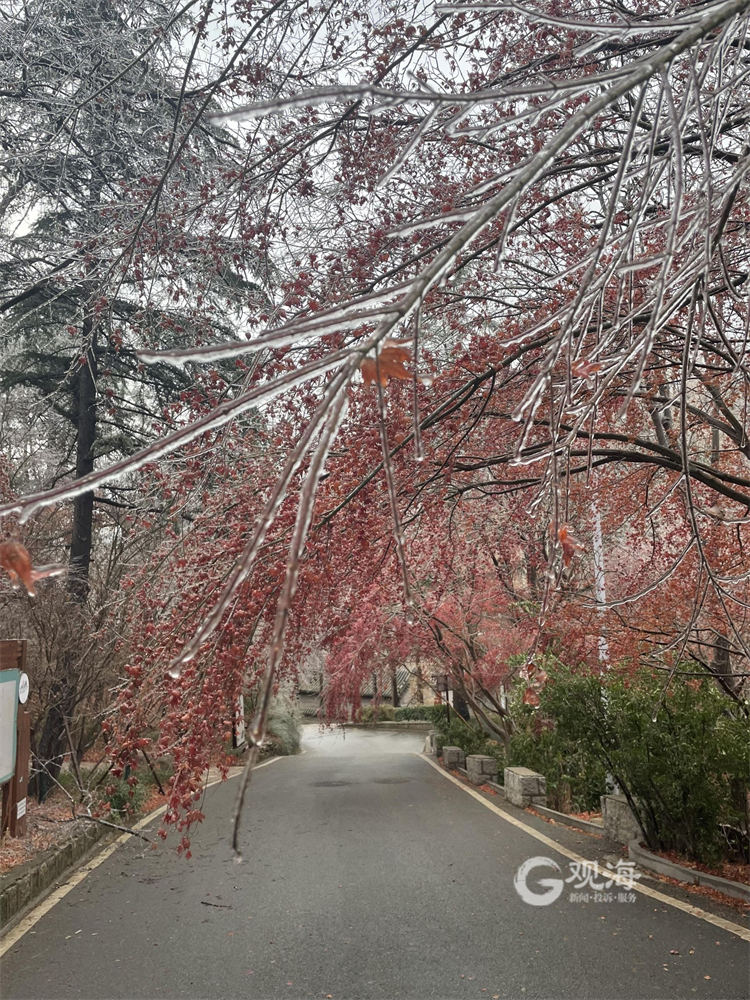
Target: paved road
<point x="367" y="875"/>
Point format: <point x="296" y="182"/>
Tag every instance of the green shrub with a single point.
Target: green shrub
<point x="420" y="713"/>
<point x="378" y="713"/>
<point x="284" y="734"/>
<point x="472" y="740"/>
<point x="680" y="757"/>
<point x="123" y="798"/>
<point x="575" y="775"/>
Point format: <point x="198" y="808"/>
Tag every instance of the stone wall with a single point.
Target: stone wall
<point x="619" y="822"/>
<point x="454" y="757"/>
<point x="23" y="885"/>
<point x="524" y="787"/>
<point x="481" y="769"/>
<point x="433" y="743"/>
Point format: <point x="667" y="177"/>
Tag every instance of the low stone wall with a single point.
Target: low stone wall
<point x="645" y="859"/>
<point x="524" y="787"/>
<point x="619" y="822"/>
<point x="454" y="757"/>
<point x="23" y="885"/>
<point x="591" y="826"/>
<point x="433" y="743"/>
<point x="481" y="769"/>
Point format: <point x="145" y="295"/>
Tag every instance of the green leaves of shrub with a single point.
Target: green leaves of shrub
<point x="680" y="755"/>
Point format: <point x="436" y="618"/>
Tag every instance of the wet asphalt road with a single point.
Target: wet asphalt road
<point x="366" y="875"/>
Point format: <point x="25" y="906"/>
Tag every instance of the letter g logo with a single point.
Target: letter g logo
<point x="552" y="887"/>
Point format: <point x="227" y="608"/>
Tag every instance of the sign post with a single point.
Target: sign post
<point x="15" y="748"/>
<point x="443" y="685"/>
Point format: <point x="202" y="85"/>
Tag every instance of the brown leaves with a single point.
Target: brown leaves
<point x="16" y="561"/>
<point x="390" y="364"/>
<point x="584" y="369"/>
<point x="569" y="545"/>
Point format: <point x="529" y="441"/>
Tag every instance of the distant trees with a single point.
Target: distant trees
<point x="109" y="203"/>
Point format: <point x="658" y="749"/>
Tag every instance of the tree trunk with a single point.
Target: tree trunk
<point x="52" y="744"/>
<point x="84" y="395"/>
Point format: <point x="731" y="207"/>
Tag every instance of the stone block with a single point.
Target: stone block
<point x="619" y="821"/>
<point x="57" y="865"/>
<point x="8" y="903"/>
<point x="524" y="787"/>
<point x="25" y="891"/>
<point x="481" y="769"/>
<point x="454" y="757"/>
<point x="66" y="855"/>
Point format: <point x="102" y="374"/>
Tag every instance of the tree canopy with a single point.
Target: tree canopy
<point x="449" y="306"/>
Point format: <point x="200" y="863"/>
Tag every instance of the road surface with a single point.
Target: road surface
<point x="367" y="874"/>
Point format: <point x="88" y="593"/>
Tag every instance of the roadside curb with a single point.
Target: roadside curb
<point x="23" y="886"/>
<point x="645" y="859"/>
<point x="641" y="856"/>
<point x="57" y="870"/>
<point x="662" y="898"/>
<point x="542" y="811"/>
<point x="579" y="824"/>
<point x="419" y="725"/>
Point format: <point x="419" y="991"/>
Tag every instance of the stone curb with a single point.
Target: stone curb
<point x="579" y="824"/>
<point x="694" y="876"/>
<point x="419" y="724"/>
<point x="640" y="855"/>
<point x="500" y="789"/>
<point x="23" y="885"/>
<point x="26" y="885"/>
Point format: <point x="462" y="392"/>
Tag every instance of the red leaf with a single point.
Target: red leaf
<point x="569" y="545"/>
<point x="584" y="369"/>
<point x="16" y="561"/>
<point x="390" y="364"/>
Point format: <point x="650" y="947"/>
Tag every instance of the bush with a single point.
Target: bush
<point x="125" y="796"/>
<point x="681" y="758"/>
<point x="684" y="766"/>
<point x="471" y="739"/>
<point x="575" y="776"/>
<point x="125" y="799"/>
<point x="283" y="732"/>
<point x="284" y="735"/>
<point x="546" y="741"/>
<point x="378" y="713"/>
<point x="420" y="713"/>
